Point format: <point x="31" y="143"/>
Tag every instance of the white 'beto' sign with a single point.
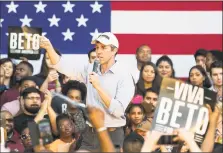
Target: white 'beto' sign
<point x="24" y="42"/>
<point x="181" y="105"/>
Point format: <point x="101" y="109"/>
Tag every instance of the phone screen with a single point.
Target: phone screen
<point x="45" y="131"/>
<point x="167" y="140"/>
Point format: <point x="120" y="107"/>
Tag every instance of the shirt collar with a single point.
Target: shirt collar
<point x="112" y="69"/>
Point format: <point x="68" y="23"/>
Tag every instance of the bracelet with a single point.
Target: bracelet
<point x="101" y="129"/>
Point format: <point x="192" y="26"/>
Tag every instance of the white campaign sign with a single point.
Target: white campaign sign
<point x="17" y="41"/>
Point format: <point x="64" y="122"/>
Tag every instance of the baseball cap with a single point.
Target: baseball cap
<point x="144" y="126"/>
<point x="107" y="38"/>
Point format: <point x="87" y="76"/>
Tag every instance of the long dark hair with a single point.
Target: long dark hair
<point x="140" y="87"/>
<point x="168" y="60"/>
<point x="12" y="78"/>
<point x="44" y="68"/>
<point x="206" y="82"/>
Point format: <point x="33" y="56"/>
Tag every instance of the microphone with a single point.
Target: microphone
<point x="95" y="66"/>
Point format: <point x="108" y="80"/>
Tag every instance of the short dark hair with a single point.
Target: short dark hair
<point x="30" y="66"/>
<point x="89" y="53"/>
<point x="151" y="90"/>
<point x="75" y="85"/>
<point x="140" y="47"/>
<point x="217" y="55"/>
<point x="30" y="78"/>
<point x="133" y="143"/>
<point x="27" y="91"/>
<point x="216" y="64"/>
<point x="200" y="52"/>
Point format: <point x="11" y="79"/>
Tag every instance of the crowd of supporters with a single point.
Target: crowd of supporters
<point x="120" y="104"/>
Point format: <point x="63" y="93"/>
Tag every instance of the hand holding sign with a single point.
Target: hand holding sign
<point x="52" y="76"/>
<point x="184" y="136"/>
<point x="213" y="115"/>
<point x="24" y="42"/>
<point x="45" y="43"/>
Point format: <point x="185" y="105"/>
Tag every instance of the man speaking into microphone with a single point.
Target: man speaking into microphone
<point x="110" y="88"/>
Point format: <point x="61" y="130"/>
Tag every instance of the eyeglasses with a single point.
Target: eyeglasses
<point x="65" y="126"/>
<point x="33" y="98"/>
<point x="25" y="136"/>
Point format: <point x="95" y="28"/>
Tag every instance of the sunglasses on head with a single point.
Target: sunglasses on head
<point x="25" y="136"/>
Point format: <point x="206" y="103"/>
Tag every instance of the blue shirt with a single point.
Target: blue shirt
<point x="119" y="85"/>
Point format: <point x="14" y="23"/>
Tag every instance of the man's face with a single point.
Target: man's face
<point x="216" y="76"/>
<point x="66" y="128"/>
<point x="104" y="53"/>
<point x="22" y="70"/>
<point x="26" y="138"/>
<point x="152" y="98"/>
<point x="32" y="103"/>
<point x="144" y="54"/>
<point x="93" y="56"/>
<point x="27" y="84"/>
<point x="200" y="60"/>
<point x="9" y="124"/>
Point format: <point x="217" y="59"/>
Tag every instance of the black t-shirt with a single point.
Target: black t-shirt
<point x="21" y="122"/>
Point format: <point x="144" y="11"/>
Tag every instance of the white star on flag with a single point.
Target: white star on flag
<point x="96" y="7"/>
<point x="95" y="34"/>
<point x="68" y="7"/>
<point x="1" y="20"/>
<point x="82" y="21"/>
<point x="68" y="35"/>
<point x="54" y="21"/>
<point x="44" y="33"/>
<point x="40" y="7"/>
<point x="12" y="7"/>
<point x="7" y="34"/>
<point x="26" y="21"/>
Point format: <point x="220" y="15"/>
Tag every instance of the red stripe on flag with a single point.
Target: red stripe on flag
<point x="173" y="6"/>
<point x="169" y="44"/>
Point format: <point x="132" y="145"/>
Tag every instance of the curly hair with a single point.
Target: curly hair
<point x="75" y="85"/>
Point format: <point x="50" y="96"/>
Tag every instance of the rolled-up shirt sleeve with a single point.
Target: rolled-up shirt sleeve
<point x="124" y="94"/>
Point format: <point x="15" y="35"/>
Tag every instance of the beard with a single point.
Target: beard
<point x="33" y="109"/>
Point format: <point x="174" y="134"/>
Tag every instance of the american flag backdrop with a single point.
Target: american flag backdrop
<point x="177" y="29"/>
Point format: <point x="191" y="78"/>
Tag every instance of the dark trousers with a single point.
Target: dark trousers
<point x="91" y="143"/>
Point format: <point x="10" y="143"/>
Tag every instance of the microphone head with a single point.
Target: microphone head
<point x="95" y="66"/>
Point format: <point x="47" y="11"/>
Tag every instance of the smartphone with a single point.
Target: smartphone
<point x="45" y="131"/>
<point x="167" y="140"/>
<point x="34" y="133"/>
